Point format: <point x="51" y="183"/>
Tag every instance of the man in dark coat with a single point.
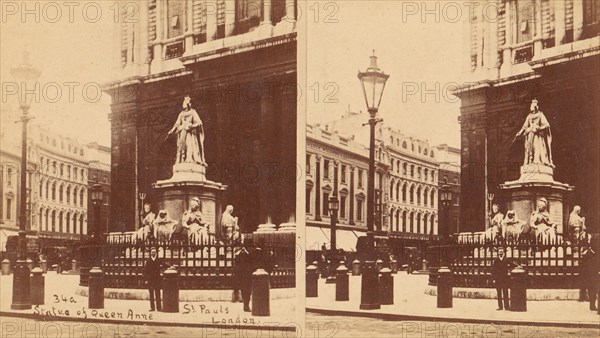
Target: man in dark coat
<point x="500" y="269"/>
<point x="153" y="269"/>
<point x="590" y="265"/>
<point x="246" y="262"/>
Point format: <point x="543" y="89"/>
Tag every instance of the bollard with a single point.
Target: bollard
<point x="170" y="290"/>
<point x="518" y="289"/>
<point x="29" y="264"/>
<point x="342" y="284"/>
<point x="394" y="266"/>
<point x="44" y="265"/>
<point x="312" y="281"/>
<point x="356" y="268"/>
<point x="424" y="267"/>
<point x="37" y="286"/>
<point x="433" y="276"/>
<point x="73" y="265"/>
<point x="379" y="265"/>
<point x="444" y="288"/>
<point x="369" y="288"/>
<point x="260" y="293"/>
<point x="96" y="289"/>
<point x="5" y="267"/>
<point x="386" y="287"/>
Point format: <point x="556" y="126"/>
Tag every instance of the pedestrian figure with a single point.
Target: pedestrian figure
<point x="500" y="268"/>
<point x="246" y="263"/>
<point x="153" y="269"/>
<point x="590" y="265"/>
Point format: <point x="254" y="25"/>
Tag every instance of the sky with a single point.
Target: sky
<point x="71" y="51"/>
<point x="421" y="56"/>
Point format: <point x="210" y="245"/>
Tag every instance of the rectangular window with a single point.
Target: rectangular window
<point x="308" y="164"/>
<point x="9" y="177"/>
<point x="359" y="210"/>
<point x="9" y="208"/>
<point x="360" y="178"/>
<point x="326" y="169"/>
<point x="343" y="207"/>
<point x="325" y="203"/>
<point x="174" y="16"/>
<point x="343" y="179"/>
<point x="308" y="201"/>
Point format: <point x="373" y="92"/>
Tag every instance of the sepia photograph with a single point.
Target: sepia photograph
<point x="300" y="168"/>
<point x="148" y="168"/>
<point x="452" y="154"/>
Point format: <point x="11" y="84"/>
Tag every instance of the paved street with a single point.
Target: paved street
<point x="344" y="326"/>
<point x="411" y="302"/>
<point x="21" y="327"/>
<point x="61" y="301"/>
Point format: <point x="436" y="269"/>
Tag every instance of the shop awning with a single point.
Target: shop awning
<point x="316" y="236"/>
<point x="4" y="234"/>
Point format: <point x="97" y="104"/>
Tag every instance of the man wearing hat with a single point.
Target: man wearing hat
<point x="246" y="262"/>
<point x="590" y="265"/>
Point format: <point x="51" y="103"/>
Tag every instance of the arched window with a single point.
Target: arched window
<point x="62" y="170"/>
<point x="431" y="153"/>
<point x="392" y="165"/>
<point x="392" y="191"/>
<point x="412" y="222"/>
<point x="53" y="220"/>
<point x="433" y="198"/>
<point x="74" y="173"/>
<point x="81" y="225"/>
<point x="60" y="193"/>
<point x="68" y="223"/>
<point x="69" y="172"/>
<point x="81" y="193"/>
<point x="425" y="224"/>
<point x="54" y="191"/>
<point x="46" y="223"/>
<point x="411" y="194"/>
<point x="404" y="168"/>
<point x="404" y="192"/>
<point x="425" y="152"/>
<point x="392" y="139"/>
<point x="397" y="220"/>
<point x="41" y="187"/>
<point x="412" y="170"/>
<point x="432" y="220"/>
<point x="404" y="145"/>
<point x="397" y="191"/>
<point x="68" y="195"/>
<point x="40" y="219"/>
<point x="82" y="174"/>
<point x="426" y="174"/>
<point x="404" y="221"/>
<point x="60" y="221"/>
<point x="419" y="223"/>
<point x="75" y="196"/>
<point x="75" y="229"/>
<point x="398" y="166"/>
<point x="425" y="193"/>
<point x="412" y="147"/>
<point x="419" y="195"/>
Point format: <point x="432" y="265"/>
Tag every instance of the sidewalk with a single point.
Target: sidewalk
<point x="62" y="302"/>
<point x="411" y="303"/>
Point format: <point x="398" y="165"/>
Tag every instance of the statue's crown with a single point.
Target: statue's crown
<point x="187" y="100"/>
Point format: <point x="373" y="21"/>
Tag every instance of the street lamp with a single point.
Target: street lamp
<point x="446" y="199"/>
<point x="26" y="76"/>
<point x="97" y="198"/>
<point x="373" y="83"/>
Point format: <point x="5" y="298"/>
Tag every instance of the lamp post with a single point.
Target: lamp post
<point x="97" y="198"/>
<point x="373" y="83"/>
<point x="26" y="76"/>
<point x="334" y="206"/>
<point x="446" y="199"/>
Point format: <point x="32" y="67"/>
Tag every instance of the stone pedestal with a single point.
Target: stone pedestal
<point x="189" y="181"/>
<point x="537" y="182"/>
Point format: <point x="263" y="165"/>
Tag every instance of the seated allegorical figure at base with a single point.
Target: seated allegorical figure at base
<point x="163" y="226"/>
<point x="577" y="225"/>
<point x="511" y="226"/>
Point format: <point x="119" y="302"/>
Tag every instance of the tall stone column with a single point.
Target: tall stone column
<point x="351" y="218"/>
<point x="559" y="21"/>
<point x="577" y="19"/>
<point x="189" y="27"/>
<point x="211" y="20"/>
<point x="318" y="188"/>
<point x="266" y="17"/>
<point x="156" y="64"/>
<point x="538" y="36"/>
<point x="229" y="17"/>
